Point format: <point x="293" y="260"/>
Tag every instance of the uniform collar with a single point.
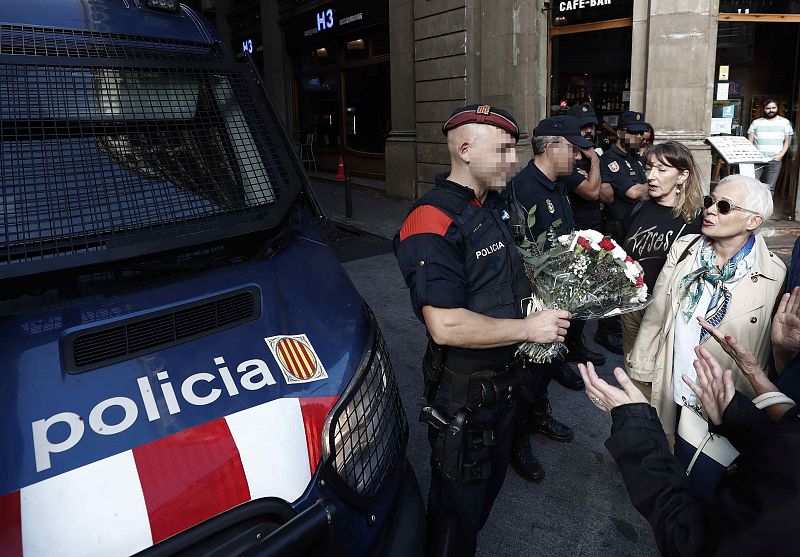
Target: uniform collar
<point x="615" y="149"/>
<point x="540" y="176"/>
<point x="461" y="191"/>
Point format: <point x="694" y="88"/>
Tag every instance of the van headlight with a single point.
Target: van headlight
<point x="365" y="435"/>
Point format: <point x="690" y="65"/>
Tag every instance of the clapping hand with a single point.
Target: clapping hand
<point x="605" y="396"/>
<point x="714" y="386"/>
<point x="786" y="328"/>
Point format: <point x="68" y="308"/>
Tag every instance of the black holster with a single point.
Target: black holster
<point x="459" y="452"/>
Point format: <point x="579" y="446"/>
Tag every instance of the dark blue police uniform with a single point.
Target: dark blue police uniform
<point x="455" y="252"/>
<point x="622" y="171"/>
<point x="585" y="213"/>
<point x="533" y="188"/>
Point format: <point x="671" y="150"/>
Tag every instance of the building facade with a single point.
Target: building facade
<point x="373" y="81"/>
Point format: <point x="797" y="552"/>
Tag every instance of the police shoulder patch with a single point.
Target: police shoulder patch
<point x="613" y="166"/>
<point x="425" y="219"/>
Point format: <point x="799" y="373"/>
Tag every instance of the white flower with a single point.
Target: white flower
<point x="618" y="253"/>
<point x="565" y="239"/>
<point x="593" y="236"/>
<point x="641" y="293"/>
<point x="631" y="271"/>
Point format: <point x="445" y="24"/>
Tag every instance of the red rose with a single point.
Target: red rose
<point x="607" y="244"/>
<point x="639" y="280"/>
<point x="584" y="243"/>
<point x="628" y="259"/>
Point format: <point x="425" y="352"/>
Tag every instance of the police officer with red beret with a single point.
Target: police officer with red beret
<point x="466" y="282"/>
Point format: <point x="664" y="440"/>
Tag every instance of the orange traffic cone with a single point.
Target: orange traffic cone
<point x="340" y="170"/>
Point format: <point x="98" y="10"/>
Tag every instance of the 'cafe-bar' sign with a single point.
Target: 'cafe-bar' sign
<point x="580" y="4"/>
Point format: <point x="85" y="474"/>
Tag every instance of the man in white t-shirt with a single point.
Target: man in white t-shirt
<point x="771" y="134"/>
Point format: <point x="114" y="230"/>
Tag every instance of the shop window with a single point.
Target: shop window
<point x="325" y="55"/>
<point x="319" y="113"/>
<point x="367" y="107"/>
<point x="356" y="49"/>
<point x="600" y="76"/>
<point x="380" y="44"/>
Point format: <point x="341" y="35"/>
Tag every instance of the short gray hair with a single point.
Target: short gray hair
<point x="540" y="142"/>
<point x="759" y="198"/>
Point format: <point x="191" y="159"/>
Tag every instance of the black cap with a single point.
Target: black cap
<point x="567" y="127"/>
<point x="482" y="114"/>
<point x="632" y="121"/>
<point x="584" y="113"/>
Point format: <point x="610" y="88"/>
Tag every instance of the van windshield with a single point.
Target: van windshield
<point x="100" y="163"/>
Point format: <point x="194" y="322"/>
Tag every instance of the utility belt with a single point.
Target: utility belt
<point x="461" y="451"/>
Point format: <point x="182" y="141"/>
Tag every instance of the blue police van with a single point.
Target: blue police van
<point x="186" y="368"/>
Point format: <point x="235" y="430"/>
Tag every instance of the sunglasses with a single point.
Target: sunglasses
<point x="724" y="206"/>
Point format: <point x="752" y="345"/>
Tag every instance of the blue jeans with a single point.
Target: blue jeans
<point x="768" y="173"/>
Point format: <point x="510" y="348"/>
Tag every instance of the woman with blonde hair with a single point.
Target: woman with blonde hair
<point x="672" y="210"/>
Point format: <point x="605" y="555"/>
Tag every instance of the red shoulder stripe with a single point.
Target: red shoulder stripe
<point x="425" y="219"/>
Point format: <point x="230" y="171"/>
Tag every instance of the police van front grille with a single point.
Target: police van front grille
<point x="122" y="340"/>
<point x="368" y="430"/>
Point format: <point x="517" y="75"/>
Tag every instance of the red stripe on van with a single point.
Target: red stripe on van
<point x="10" y="525"/>
<point x="315" y="410"/>
<point x="190" y="477"/>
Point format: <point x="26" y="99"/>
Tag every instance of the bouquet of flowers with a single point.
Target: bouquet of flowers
<point x="584" y="273"/>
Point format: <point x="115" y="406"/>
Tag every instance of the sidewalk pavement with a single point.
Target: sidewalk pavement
<point x="375" y="213"/>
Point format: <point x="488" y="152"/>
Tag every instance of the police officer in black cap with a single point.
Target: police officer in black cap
<point x="583" y="188"/>
<point x="623" y="181"/>
<point x="466" y="282"/>
<point x="557" y="144"/>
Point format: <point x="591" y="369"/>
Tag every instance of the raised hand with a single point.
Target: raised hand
<point x="605" y="396"/>
<point x="714" y="387"/>
<point x="786" y="328"/>
<point x="740" y="354"/>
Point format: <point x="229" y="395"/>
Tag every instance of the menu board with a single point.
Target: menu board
<point x="735" y="149"/>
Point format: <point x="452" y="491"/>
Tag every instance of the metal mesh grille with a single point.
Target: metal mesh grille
<point x="92" y="158"/>
<point x="372" y="428"/>
<point x="43" y="41"/>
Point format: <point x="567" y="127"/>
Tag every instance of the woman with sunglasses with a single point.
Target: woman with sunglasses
<point x="673" y="210"/>
<point x="725" y="275"/>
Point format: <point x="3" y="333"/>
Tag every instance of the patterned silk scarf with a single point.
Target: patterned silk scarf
<point x="691" y="286"/>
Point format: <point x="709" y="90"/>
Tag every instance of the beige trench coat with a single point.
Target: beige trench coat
<point x="749" y="319"/>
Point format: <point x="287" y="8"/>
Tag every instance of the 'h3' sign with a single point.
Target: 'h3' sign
<point x="324" y="19"/>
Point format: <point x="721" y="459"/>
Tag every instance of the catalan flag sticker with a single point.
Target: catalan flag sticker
<point x="297" y="359"/>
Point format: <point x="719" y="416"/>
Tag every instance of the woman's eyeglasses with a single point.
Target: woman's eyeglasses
<point x="724" y="206"/>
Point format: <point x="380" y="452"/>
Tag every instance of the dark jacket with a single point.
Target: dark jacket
<point x="757" y="506"/>
<point x="793" y="276"/>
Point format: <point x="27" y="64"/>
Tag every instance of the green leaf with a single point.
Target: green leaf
<point x="532" y="217"/>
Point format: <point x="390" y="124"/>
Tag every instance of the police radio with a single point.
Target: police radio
<point x="517" y="220"/>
